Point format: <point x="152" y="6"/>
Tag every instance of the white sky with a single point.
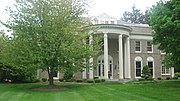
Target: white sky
<point x="114" y="8"/>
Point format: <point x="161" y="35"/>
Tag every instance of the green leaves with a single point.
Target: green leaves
<point x="49" y="33"/>
<point x="165" y="20"/>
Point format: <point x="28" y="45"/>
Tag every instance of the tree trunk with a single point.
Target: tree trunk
<point x="51" y="81"/>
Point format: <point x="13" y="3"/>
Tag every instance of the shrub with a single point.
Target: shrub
<point x="61" y="80"/>
<point x="68" y="75"/>
<point x="159" y="78"/>
<point x="97" y="80"/>
<point x="69" y="80"/>
<point x="150" y="79"/>
<point x="167" y="78"/>
<point x="146" y="72"/>
<point x="175" y="77"/>
<point x="90" y="81"/>
<point x="103" y="80"/>
<point x="44" y="79"/>
<point x="36" y="80"/>
<point x="177" y="74"/>
<point x="79" y="80"/>
<point x="141" y="79"/>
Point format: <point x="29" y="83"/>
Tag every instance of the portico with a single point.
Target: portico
<point x="113" y="58"/>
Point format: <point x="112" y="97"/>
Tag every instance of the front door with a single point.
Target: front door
<point x="100" y="67"/>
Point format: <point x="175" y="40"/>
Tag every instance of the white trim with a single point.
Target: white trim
<point x="138" y="58"/>
<point x="147" y="46"/>
<point x="140" y="46"/>
<point x="169" y="69"/>
<point x="151" y="59"/>
<point x="141" y="37"/>
<point x="57" y="76"/>
<point x="100" y="58"/>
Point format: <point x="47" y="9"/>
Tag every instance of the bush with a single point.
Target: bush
<point x="159" y="78"/>
<point x="44" y="79"/>
<point x="68" y="75"/>
<point x="168" y="78"/>
<point x="177" y="74"/>
<point x="175" y="77"/>
<point x="97" y="80"/>
<point x="69" y="80"/>
<point x="90" y="81"/>
<point x="150" y="79"/>
<point x="103" y="80"/>
<point x="79" y="80"/>
<point x="61" y="80"/>
<point x="36" y="80"/>
<point x="146" y="72"/>
<point x="141" y="79"/>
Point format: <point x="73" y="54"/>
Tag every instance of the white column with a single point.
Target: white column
<point x="38" y="75"/>
<point x="91" y="61"/>
<point x="172" y="71"/>
<point x="105" y="56"/>
<point x="84" y="73"/>
<point x="127" y="59"/>
<point x="120" y="58"/>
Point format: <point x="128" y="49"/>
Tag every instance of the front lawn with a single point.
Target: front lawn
<point x="159" y="91"/>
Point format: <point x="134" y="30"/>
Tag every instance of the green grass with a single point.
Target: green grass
<point x="158" y="91"/>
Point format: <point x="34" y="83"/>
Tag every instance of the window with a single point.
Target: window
<point x="165" y="70"/>
<point x="150" y="65"/>
<point x="55" y="74"/>
<point x="102" y="22"/>
<point x="149" y="46"/>
<point x="96" y="21"/>
<point x="106" y="22"/>
<point x="138" y="66"/>
<point x="112" y="22"/>
<point x="138" y="46"/>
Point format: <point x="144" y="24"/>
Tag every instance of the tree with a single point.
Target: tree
<point x="146" y="72"/>
<point x="165" y="22"/>
<point x="49" y="35"/>
<point x="136" y="16"/>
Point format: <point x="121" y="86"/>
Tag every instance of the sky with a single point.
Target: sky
<point x="114" y="8"/>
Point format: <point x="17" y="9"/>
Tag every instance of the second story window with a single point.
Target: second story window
<point x="149" y="46"/>
<point x="106" y="22"/>
<point x="102" y="22"/>
<point x="137" y="46"/>
<point x="112" y="22"/>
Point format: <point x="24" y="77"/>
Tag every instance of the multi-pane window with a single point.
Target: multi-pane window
<point x="112" y="22"/>
<point x="150" y="65"/>
<point x="96" y="21"/>
<point x="106" y="22"/>
<point x="165" y="70"/>
<point x="138" y="68"/>
<point x="149" y="46"/>
<point x="138" y="46"/>
<point x="102" y="22"/>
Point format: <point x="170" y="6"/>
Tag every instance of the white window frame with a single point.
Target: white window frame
<point x="57" y="76"/>
<point x="149" y="46"/>
<point x="165" y="70"/>
<point x="136" y="46"/>
<point x="151" y="59"/>
<point x="138" y="58"/>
